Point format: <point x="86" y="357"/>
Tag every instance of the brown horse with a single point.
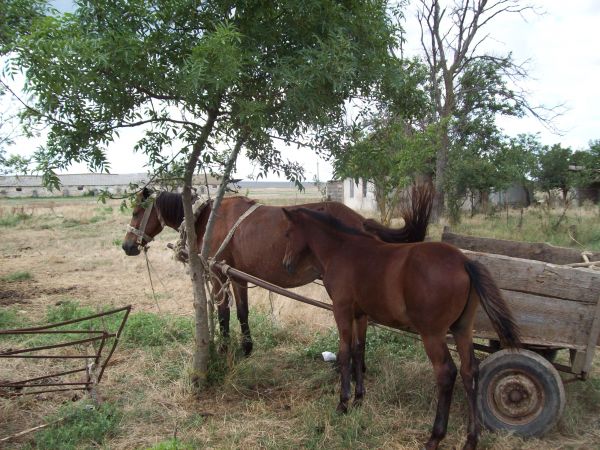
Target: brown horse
<point x="258" y="244"/>
<point x="424" y="287"/>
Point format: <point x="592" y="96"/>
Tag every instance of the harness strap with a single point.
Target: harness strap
<point x="141" y="235"/>
<point x="234" y="228"/>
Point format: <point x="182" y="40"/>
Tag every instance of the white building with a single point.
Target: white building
<point x="85" y="184"/>
<point x="359" y="196"/>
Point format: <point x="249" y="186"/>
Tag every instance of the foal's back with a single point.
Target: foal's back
<point x="401" y="285"/>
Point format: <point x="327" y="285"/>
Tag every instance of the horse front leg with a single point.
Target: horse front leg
<point x="240" y="291"/>
<point x="445" y="375"/>
<point x="358" y="357"/>
<point x="224" y="314"/>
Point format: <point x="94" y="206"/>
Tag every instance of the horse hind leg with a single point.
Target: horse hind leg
<point x="445" y="374"/>
<point x="344" y="322"/>
<point x="469" y="373"/>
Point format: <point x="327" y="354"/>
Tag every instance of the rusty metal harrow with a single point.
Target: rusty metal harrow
<point x="94" y="362"/>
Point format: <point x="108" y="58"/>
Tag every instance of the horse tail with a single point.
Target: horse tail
<point x="494" y="304"/>
<point x="415" y="213"/>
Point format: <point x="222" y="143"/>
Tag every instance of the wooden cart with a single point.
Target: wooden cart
<point x="557" y="308"/>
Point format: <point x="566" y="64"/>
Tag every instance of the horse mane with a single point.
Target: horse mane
<point x="416" y="214"/>
<point x="333" y="222"/>
<point x="170" y="205"/>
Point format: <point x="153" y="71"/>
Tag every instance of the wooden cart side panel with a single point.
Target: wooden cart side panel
<point x="527" y="250"/>
<point x="544" y="320"/>
<point x="543" y="279"/>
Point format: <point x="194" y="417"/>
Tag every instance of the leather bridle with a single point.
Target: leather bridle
<point x="140" y="232"/>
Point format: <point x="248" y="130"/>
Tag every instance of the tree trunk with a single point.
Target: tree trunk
<point x="441" y="163"/>
<point x="202" y="333"/>
<point x="220" y="194"/>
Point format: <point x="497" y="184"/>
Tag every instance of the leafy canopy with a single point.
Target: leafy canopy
<point x="263" y="69"/>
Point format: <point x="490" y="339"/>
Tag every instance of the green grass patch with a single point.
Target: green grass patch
<point x="98" y="218"/>
<point x="12" y="220"/>
<point x="11" y="319"/>
<point x="16" y="276"/>
<point x="172" y="444"/>
<point x="84" y="426"/>
<point x="151" y="330"/>
<point x="72" y="223"/>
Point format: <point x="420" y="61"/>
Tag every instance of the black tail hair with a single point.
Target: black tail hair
<point x="494" y="304"/>
<point x="415" y="213"/>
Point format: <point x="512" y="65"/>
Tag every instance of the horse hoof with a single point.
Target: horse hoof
<point x="342" y="408"/>
<point x="357" y="403"/>
<point x="432" y="445"/>
<point x="469" y="445"/>
<point x="247" y="347"/>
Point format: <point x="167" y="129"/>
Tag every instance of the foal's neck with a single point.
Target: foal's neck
<point x="325" y="242"/>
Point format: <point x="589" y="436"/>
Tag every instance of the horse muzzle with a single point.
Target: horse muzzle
<point x="131" y="248"/>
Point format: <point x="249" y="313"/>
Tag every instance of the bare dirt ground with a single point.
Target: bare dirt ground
<point x="71" y="250"/>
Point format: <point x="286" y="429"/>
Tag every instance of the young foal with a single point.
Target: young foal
<point x="424" y="287"/>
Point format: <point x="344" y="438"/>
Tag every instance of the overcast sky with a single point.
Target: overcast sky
<point x="562" y="49"/>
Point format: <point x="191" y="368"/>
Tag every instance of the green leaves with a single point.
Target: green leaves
<point x="215" y="63"/>
<point x="264" y="69"/>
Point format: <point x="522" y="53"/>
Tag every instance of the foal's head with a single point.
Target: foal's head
<point x="146" y="223"/>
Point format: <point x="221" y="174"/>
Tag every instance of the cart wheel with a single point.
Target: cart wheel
<point x="519" y="391"/>
<point x="549" y="353"/>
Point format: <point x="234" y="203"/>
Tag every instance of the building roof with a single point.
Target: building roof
<point x="83" y="179"/>
<point x="95" y="179"/>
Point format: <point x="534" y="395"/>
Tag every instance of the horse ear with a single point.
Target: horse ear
<point x="147" y="192"/>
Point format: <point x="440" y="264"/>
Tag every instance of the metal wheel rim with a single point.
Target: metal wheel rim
<point x="515" y="397"/>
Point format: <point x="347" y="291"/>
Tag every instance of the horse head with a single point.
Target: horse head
<point x="296" y="243"/>
<point x="146" y="222"/>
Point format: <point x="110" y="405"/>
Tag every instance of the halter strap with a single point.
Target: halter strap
<point x="141" y="231"/>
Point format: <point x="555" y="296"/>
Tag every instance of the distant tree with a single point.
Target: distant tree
<point x="391" y="156"/>
<point x="390" y="146"/>
<point x="211" y="77"/>
<point x="475" y="171"/>
<point x="451" y="38"/>
<point x="552" y="171"/>
<point x="585" y="165"/>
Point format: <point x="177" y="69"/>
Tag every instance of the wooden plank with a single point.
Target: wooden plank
<point x="534" y="251"/>
<point x="535" y="277"/>
<point x="544" y="321"/>
<point x="594" y="334"/>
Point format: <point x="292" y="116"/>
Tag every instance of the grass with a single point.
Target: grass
<point x="143" y="329"/>
<point x="83" y="426"/>
<point x="12" y="220"/>
<point x="282" y="396"/>
<point x="577" y="228"/>
<point x="16" y="276"/>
